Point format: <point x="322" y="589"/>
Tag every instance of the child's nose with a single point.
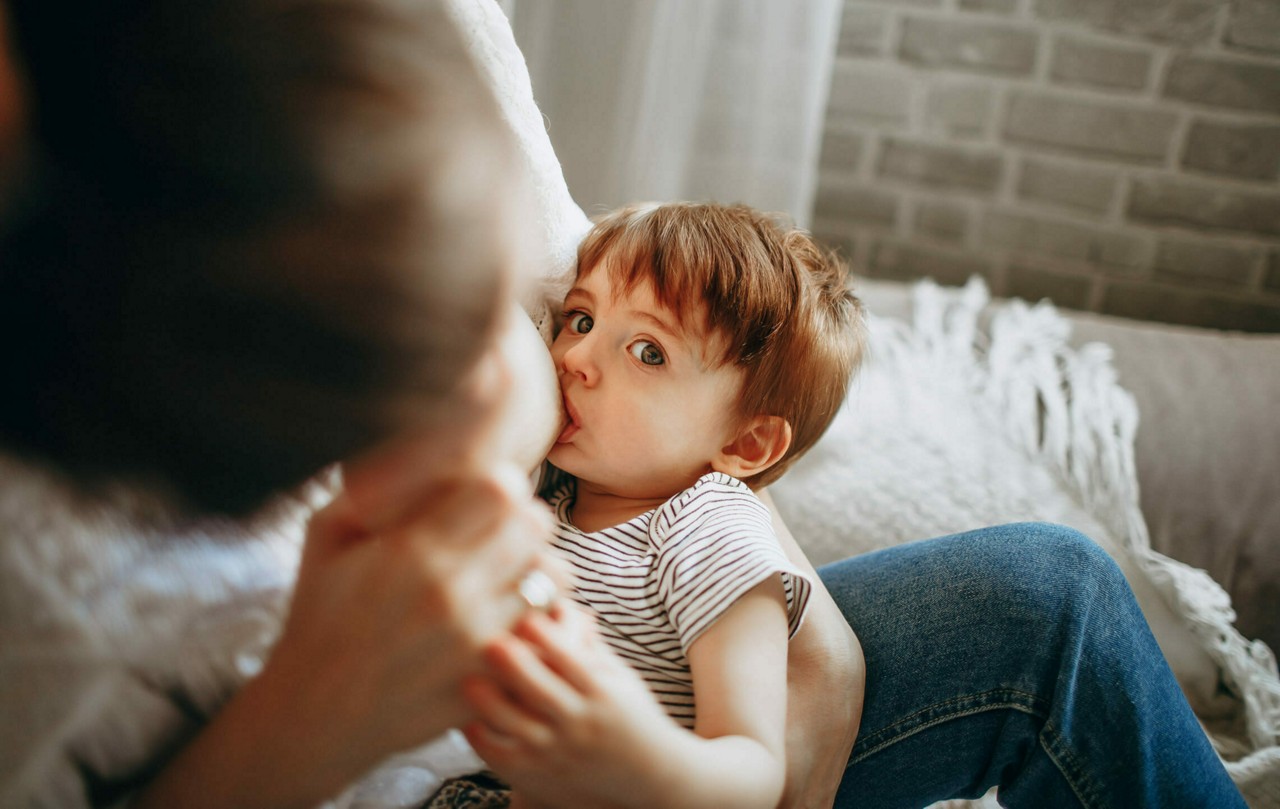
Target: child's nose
<point x="580" y="361"/>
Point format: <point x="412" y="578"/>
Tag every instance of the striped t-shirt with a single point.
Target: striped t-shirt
<point x="658" y="581"/>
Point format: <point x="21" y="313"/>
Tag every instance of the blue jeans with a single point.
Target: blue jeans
<point x="1015" y="656"/>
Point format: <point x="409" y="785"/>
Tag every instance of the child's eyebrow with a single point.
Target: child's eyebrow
<point x="662" y="323"/>
<point x="673" y="328"/>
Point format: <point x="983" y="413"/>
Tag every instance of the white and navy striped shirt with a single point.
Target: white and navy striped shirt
<point x="658" y="581"/>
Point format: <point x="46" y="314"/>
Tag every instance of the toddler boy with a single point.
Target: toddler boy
<point x="704" y="349"/>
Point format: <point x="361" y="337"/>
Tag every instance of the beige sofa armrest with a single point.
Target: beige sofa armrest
<point x="1208" y="452"/>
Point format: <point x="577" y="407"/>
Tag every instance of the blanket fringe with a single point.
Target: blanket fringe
<point x="1065" y="406"/>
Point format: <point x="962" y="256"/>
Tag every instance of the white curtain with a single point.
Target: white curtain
<point x="683" y="99"/>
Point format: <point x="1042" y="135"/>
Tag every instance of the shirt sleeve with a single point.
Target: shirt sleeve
<point x="714" y="543"/>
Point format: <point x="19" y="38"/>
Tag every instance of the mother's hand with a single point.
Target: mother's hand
<point x="382" y="628"/>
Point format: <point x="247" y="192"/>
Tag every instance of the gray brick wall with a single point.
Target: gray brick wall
<point x="1120" y="156"/>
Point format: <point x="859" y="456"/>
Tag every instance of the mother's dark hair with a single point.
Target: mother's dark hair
<point x="249" y="232"/>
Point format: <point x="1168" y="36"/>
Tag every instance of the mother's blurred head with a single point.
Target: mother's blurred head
<point x="256" y="236"/>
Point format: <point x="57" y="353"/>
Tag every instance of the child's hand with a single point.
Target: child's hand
<point x="565" y="720"/>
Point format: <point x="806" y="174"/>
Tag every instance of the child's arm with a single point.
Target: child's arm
<point x="739" y="668"/>
<point x="570" y="724"/>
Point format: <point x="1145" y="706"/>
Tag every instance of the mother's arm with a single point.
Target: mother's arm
<point x="826" y="675"/>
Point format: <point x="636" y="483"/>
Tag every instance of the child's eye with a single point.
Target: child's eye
<point x="579" y="322"/>
<point x="647" y="352"/>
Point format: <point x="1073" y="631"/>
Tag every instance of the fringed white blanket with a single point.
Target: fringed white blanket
<point x="957" y="422"/>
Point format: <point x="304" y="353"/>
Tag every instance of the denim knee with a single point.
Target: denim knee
<point x="1040" y="548"/>
<point x="1054" y="569"/>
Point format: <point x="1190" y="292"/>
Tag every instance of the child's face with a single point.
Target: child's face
<point x="650" y="406"/>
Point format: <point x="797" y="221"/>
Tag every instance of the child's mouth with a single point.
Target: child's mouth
<point x="571" y="426"/>
<point x="567" y="433"/>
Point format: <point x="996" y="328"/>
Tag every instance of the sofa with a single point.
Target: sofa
<point x="1156" y="441"/>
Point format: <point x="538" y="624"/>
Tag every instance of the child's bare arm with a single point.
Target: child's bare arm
<point x="571" y="724"/>
<point x="739" y="668"/>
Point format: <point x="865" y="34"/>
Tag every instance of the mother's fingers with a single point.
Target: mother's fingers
<point x="453" y="508"/>
<point x="488" y="527"/>
<point x="469" y="549"/>
<point x="457" y="509"/>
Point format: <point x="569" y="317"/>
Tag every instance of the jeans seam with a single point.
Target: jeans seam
<point x="1077" y="777"/>
<point x="1086" y="791"/>
<point x="999" y="699"/>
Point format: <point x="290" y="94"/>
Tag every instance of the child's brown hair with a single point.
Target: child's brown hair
<point x="779" y="300"/>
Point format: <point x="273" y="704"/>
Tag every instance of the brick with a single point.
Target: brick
<point x="941" y="220"/>
<point x="1254" y="25"/>
<point x="905" y="262"/>
<point x="841" y="150"/>
<point x="1067" y="184"/>
<point x="1121" y="131"/>
<point x="1052" y="237"/>
<point x="1272" y="280"/>
<point x="1035" y="284"/>
<point x="1184" y="22"/>
<point x="1165" y="201"/>
<point x="941" y="167"/>
<point x="1237" y="150"/>
<point x="1188" y="307"/>
<point x="1223" y="83"/>
<point x="1200" y="261"/>
<point x="1086" y="62"/>
<point x="991" y="6"/>
<point x="969" y="45"/>
<point x="959" y="109"/>
<point x="855" y="204"/>
<point x="874" y="95"/>
<point x="862" y="31"/>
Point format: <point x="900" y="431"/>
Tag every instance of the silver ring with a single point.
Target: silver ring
<point x="538" y="590"/>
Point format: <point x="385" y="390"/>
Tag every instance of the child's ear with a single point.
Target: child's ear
<point x="759" y="444"/>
